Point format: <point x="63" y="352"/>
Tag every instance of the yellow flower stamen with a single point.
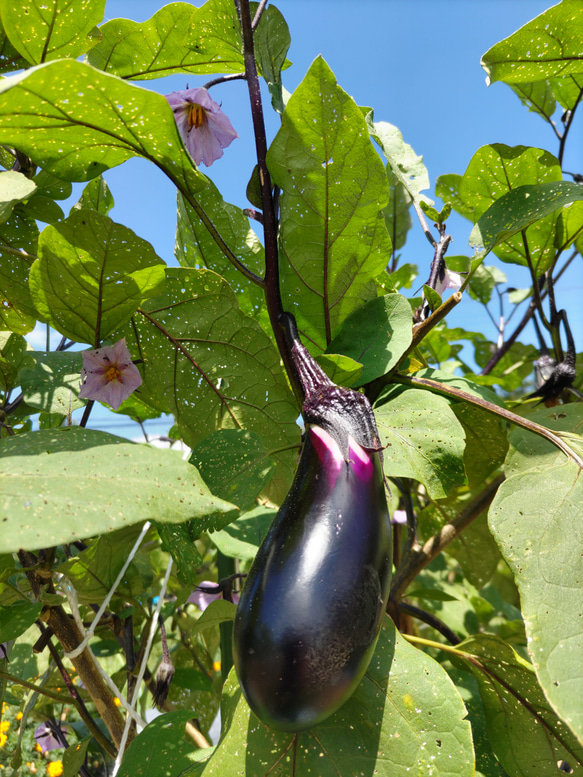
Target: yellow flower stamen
<point x="196" y="116"/>
<point x="113" y="374"/>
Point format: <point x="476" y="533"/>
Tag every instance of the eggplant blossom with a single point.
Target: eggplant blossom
<point x="448" y="280"/>
<point x="109" y="375"/>
<point x="205" y="129"/>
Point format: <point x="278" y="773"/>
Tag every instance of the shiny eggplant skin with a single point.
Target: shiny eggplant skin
<point x="310" y="613"/>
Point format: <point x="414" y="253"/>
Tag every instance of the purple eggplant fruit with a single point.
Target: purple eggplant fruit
<point x="311" y="610"/>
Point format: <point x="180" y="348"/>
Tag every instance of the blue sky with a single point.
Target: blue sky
<point x="417" y="63"/>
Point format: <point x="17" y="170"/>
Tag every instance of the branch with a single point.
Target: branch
<point x="66" y="631"/>
<point x="271" y="281"/>
<point x="421" y="556"/>
<point x="431" y="620"/>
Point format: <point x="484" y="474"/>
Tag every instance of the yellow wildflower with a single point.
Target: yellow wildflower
<point x="55" y="769"/>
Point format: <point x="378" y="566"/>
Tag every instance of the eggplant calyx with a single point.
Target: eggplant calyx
<point x="341" y="412"/>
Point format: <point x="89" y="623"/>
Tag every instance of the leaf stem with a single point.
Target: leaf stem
<point x="431" y="620"/>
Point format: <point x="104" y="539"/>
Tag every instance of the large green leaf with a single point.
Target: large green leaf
<point x="334" y="241"/>
<point x="421" y="439"/>
<point x="196" y="247"/>
<point x="535" y="519"/>
<point x="215" y="38"/>
<point x="14" y="187"/>
<point x="391" y="726"/>
<point x="538" y="97"/>
<point x="50" y="29"/>
<point x="52" y="381"/>
<point x="524" y="732"/>
<point x="497" y="170"/>
<point x="106" y="268"/>
<point x="66" y="484"/>
<point x="214" y="368"/>
<point x="522" y="207"/>
<point x="77" y="122"/>
<point x="397" y="213"/>
<point x="486" y="442"/>
<point x="549" y="45"/>
<point x="156" y="47"/>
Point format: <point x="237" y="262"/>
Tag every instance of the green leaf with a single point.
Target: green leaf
<point x="340" y="369"/>
<point x="421" y="439"/>
<point x="493" y="173"/>
<point x="332" y="246"/>
<point x="196" y="247"/>
<point x="179" y="540"/>
<point x="13" y="356"/>
<point x="52" y="187"/>
<point x="524" y="732"/>
<point x="547" y="46"/>
<point x="271" y="42"/>
<point x="161" y="749"/>
<point x="448" y="188"/>
<point x="535" y="519"/>
<point x="376" y="335"/>
<point x="106" y="268"/>
<point x="17" y="618"/>
<point x="486" y="442"/>
<point x="71" y="483"/>
<point x="14" y="187"/>
<point x="10" y="59"/>
<point x="475" y="549"/>
<point x="74" y="757"/>
<point x="17" y="312"/>
<point x="432" y="593"/>
<point x="235" y="465"/>
<point x="391" y="725"/>
<point x="218" y="611"/>
<point x="151" y="49"/>
<point x="242" y="538"/>
<point x="397" y="213"/>
<point x="43" y="209"/>
<point x="76" y="122"/>
<point x="51" y="29"/>
<point x="214" y="36"/>
<point x="214" y="368"/>
<point x="538" y="98"/>
<point x="96" y="196"/>
<point x="404" y="275"/>
<point x="569" y="225"/>
<point x="567" y="90"/>
<point x="520" y="208"/>
<point x="94" y="570"/>
<point x="432" y="297"/>
<point x="406" y="165"/>
<point x="483" y="282"/>
<point x="53" y="381"/>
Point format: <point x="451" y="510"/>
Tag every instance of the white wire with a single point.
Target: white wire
<point x="140" y="677"/>
<point x="91" y="630"/>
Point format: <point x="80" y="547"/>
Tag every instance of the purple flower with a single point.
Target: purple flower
<point x="46" y="739"/>
<point x="205" y="129"/>
<point x="109" y="375"/>
<point x="203" y="596"/>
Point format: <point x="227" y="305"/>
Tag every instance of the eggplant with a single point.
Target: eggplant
<point x="310" y="613"/>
